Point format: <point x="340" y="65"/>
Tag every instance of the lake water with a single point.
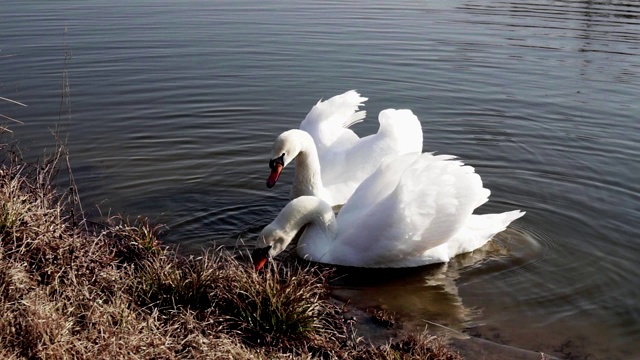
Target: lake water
<point x="175" y="104"/>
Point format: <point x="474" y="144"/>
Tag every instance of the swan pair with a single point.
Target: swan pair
<point x="402" y="207"/>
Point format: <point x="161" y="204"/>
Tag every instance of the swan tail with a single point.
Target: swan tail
<point x="479" y="229"/>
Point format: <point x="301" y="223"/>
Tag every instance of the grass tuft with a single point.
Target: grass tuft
<point x="134" y="241"/>
<point x="171" y="283"/>
<point x="280" y="306"/>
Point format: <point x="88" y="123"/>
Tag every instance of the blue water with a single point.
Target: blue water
<point x="174" y="106"/>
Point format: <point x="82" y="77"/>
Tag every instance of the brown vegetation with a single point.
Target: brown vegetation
<point x="113" y="291"/>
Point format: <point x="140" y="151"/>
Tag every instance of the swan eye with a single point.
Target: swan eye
<point x="277" y="161"/>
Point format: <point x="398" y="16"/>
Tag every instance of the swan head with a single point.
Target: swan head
<point x="271" y="242"/>
<point x="284" y="150"/>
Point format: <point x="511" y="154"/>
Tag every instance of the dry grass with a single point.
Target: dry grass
<point x="114" y="292"/>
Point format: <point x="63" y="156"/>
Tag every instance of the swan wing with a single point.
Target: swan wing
<point x="400" y="133"/>
<point x="408" y="206"/>
<point x="343" y="170"/>
<point x="329" y="120"/>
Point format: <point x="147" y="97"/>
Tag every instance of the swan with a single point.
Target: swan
<point x="412" y="211"/>
<point x="330" y="159"/>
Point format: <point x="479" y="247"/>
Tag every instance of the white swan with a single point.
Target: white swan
<point x="331" y="160"/>
<point x="414" y="210"/>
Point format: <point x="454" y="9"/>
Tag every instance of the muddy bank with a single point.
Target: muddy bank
<point x="380" y="328"/>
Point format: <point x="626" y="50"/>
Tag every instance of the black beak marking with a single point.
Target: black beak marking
<point x="278" y="160"/>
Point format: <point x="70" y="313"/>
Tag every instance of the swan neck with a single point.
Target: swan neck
<point x="307" y="210"/>
<point x="307" y="179"/>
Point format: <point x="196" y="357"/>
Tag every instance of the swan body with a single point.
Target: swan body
<point x="413" y="210"/>
<point x="331" y="160"/>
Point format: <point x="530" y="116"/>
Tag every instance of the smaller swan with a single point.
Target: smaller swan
<point x="412" y="211"/>
<point x="331" y="160"/>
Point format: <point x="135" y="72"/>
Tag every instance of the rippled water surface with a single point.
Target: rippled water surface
<point x="175" y="104"/>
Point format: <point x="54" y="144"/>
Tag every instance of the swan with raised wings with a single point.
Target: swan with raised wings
<point x="331" y="160"/>
<point x="414" y="210"/>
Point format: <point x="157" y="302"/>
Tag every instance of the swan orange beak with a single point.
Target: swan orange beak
<point x="276" y="165"/>
<point x="259" y="262"/>
<point x="275" y="174"/>
<point x="260" y="256"/>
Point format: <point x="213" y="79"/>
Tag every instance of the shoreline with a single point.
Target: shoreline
<point x="379" y="331"/>
<point x="63" y="282"/>
<point x="114" y="290"/>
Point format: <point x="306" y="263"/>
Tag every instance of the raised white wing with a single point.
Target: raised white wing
<point x="328" y="120"/>
<point x="400" y="133"/>
<point x="343" y="170"/>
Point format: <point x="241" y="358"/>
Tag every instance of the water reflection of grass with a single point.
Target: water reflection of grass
<point x="112" y="290"/>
